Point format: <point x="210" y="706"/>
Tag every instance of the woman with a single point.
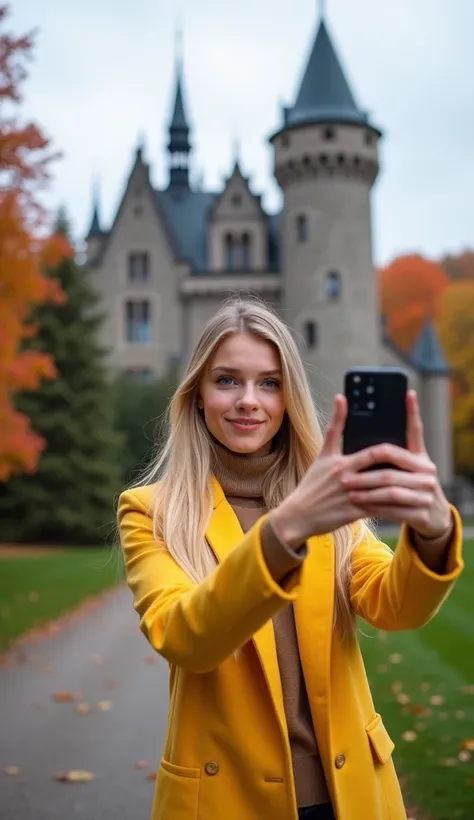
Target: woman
<point x="248" y="561"/>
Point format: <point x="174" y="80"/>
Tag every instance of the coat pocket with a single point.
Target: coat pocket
<point x="176" y="792"/>
<point x="380" y="741"/>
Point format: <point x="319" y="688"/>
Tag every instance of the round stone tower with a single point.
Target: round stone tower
<point x="325" y="161"/>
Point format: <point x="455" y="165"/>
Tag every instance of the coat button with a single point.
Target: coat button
<point x="340" y="761"/>
<point x="212" y="767"/>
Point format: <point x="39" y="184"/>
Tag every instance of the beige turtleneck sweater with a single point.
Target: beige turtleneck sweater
<point x="241" y="479"/>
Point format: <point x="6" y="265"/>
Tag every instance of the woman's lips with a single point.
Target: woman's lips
<point x="245" y="426"/>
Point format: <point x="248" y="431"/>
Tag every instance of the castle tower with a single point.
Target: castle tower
<point x="95" y="234"/>
<point x="434" y="393"/>
<point x="325" y="161"/>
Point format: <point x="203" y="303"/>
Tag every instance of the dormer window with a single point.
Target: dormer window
<point x="246" y="251"/>
<point x="230" y="250"/>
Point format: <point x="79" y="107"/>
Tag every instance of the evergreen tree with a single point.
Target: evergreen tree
<point x="70" y="498"/>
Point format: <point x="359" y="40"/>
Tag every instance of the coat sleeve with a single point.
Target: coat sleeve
<point x="197" y="626"/>
<point x="396" y="591"/>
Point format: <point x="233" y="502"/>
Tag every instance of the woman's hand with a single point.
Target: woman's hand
<point x="410" y="494"/>
<point x="321" y="503"/>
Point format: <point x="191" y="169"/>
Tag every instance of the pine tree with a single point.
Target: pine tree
<point x="70" y="497"/>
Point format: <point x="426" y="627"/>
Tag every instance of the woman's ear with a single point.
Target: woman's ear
<point x="200" y="403"/>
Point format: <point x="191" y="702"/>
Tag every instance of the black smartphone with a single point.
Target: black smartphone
<point x="376" y="408"/>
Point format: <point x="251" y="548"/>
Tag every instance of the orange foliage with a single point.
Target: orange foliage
<point x="410" y="288"/>
<point x="24" y="169"/>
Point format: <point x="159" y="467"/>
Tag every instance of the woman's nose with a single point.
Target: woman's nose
<point x="248" y="397"/>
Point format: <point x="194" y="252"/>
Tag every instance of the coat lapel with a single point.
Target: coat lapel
<point x="314" y="610"/>
<point x="223" y="533"/>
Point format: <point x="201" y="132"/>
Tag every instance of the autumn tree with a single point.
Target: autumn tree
<point x="460" y="266"/>
<point x="409" y="288"/>
<point x="455" y="325"/>
<point x="70" y="497"/>
<point x="25" y="160"/>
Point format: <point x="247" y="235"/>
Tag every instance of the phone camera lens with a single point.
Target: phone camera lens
<point x="356" y="379"/>
<point x="370" y="389"/>
<point x="371" y="405"/>
<point x="356" y="392"/>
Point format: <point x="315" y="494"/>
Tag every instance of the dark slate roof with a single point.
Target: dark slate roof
<point x="187" y="218"/>
<point x="427" y="354"/>
<point x="324" y="94"/>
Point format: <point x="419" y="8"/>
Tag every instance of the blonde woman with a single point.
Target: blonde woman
<point x="248" y="559"/>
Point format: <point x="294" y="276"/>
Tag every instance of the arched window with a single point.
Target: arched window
<point x="246" y="251"/>
<point x="311" y="334"/>
<point x="229" y="251"/>
<point x="302" y="228"/>
<point x="333" y="286"/>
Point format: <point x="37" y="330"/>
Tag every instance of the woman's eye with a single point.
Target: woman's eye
<point x="225" y="380"/>
<point x="271" y="383"/>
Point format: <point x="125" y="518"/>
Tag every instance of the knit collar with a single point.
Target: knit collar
<point x="241" y="475"/>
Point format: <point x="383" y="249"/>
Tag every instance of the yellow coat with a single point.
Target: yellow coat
<point x="227" y="755"/>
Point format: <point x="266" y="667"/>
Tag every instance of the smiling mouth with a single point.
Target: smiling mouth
<point x="245" y="424"/>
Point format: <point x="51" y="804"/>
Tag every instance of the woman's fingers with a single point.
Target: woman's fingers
<point x="389" y="454"/>
<point x="334" y="431"/>
<point x="388" y="478"/>
<point x="415" y="438"/>
<point x="391" y="496"/>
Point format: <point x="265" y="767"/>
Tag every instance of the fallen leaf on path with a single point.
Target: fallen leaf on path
<point x="12" y="771"/>
<point x="151" y="660"/>
<point x="74" y="776"/>
<point x="96" y="660"/>
<point x="396" y="657"/>
<point x="436" y="700"/>
<point x="396" y="686"/>
<point x="449" y="762"/>
<point x="66" y="697"/>
<point x="409" y="736"/>
<point x="104" y="705"/>
<point x="464" y="757"/>
<point x="468" y="745"/>
<point x="416" y="709"/>
<point x="142" y="764"/>
<point x="152" y="776"/>
<point x="403" y="698"/>
<point x="82" y="709"/>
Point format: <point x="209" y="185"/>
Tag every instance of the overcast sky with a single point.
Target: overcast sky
<point x="104" y="71"/>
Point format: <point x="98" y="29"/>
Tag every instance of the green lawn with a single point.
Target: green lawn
<point x="35" y="589"/>
<point x="406" y="671"/>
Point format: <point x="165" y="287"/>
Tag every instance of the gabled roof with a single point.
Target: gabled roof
<point x="427" y="354"/>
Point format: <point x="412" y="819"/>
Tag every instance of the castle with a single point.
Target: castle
<point x="171" y="256"/>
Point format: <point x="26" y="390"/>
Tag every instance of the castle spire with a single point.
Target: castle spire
<point x="179" y="145"/>
<point x="95" y="229"/>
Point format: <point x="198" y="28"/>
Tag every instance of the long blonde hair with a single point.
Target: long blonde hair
<point x="183" y="501"/>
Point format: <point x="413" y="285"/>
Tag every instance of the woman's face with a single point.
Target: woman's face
<point x="241" y="394"/>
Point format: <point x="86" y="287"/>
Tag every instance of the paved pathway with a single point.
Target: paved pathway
<point x="104" y="656"/>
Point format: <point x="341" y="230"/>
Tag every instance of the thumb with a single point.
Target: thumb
<point x="335" y="428"/>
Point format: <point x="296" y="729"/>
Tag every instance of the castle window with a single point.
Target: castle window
<point x="333" y="286"/>
<point x="329" y="134"/>
<point x="368" y="138"/>
<point x="138" y="267"/>
<point x="311" y="334"/>
<point x="230" y="251"/>
<point x="302" y="228"/>
<point x="138" y="321"/>
<point x="246" y="251"/>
